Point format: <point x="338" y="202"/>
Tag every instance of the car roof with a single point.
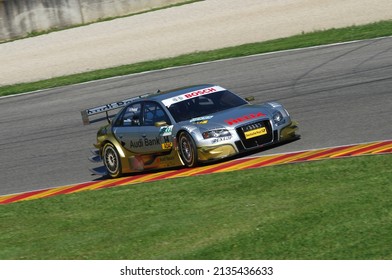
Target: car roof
<point x="159" y="96"/>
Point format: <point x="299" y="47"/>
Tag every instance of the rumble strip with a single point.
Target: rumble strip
<point x="383" y="147"/>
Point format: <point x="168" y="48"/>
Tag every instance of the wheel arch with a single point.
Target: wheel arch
<point x="186" y="129"/>
<point x="115" y="144"/>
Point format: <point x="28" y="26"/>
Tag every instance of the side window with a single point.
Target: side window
<point x="131" y="115"/>
<point x="152" y="113"/>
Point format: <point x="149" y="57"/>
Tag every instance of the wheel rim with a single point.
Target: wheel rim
<point x="186" y="150"/>
<point x="111" y="160"/>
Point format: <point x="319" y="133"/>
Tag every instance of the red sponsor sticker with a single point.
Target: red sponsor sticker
<point x="245" y="118"/>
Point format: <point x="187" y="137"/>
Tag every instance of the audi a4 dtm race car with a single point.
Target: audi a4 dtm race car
<point x="185" y="127"/>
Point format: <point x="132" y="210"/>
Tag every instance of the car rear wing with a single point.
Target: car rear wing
<point x="86" y="114"/>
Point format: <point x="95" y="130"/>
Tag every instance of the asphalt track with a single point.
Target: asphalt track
<point x="340" y="95"/>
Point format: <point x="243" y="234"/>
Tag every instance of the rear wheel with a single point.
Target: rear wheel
<point x="188" y="150"/>
<point x="111" y="160"/>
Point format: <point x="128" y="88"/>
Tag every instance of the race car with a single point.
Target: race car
<point x="185" y="127"/>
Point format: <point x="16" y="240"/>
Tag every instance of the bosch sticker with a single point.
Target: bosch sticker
<point x="170" y="101"/>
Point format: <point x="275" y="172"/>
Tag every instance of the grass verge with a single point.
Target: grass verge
<point x="333" y="209"/>
<point x="374" y="30"/>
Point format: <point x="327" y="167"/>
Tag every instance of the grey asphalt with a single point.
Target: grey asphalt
<point x="200" y="26"/>
<point x="340" y="95"/>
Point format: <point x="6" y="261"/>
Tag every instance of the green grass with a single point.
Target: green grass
<point x="333" y="209"/>
<point x="379" y="29"/>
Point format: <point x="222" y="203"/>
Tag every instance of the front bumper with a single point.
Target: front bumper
<point x="208" y="153"/>
<point x="216" y="152"/>
<point x="289" y="132"/>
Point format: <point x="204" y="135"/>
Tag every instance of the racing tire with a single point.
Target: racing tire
<point x="111" y="160"/>
<point x="187" y="149"/>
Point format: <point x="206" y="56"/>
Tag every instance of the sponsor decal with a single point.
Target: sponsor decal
<point x="108" y="107"/>
<point x="167" y="145"/>
<point x="145" y="142"/>
<point x="152" y="142"/>
<point x="136" y="144"/>
<point x="255" y="132"/>
<point x="216" y="140"/>
<point x="199" y="119"/>
<point x="170" y="101"/>
<point x="166" y="130"/>
<point x="200" y="92"/>
<point x="245" y="118"/>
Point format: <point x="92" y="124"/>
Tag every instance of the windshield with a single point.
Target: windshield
<point x="205" y="105"/>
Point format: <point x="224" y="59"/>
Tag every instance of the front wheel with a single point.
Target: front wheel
<point x="111" y="160"/>
<point x="188" y="150"/>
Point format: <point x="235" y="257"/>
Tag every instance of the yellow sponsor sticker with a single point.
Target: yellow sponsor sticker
<point x="167" y="145"/>
<point x="255" y="132"/>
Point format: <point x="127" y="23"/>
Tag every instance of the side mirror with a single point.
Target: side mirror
<point x="250" y="98"/>
<point x="160" y="123"/>
<point x="108" y="118"/>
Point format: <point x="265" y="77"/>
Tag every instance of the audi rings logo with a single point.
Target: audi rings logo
<point x="252" y="126"/>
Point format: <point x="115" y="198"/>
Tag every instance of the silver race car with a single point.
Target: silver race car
<point x="185" y="127"/>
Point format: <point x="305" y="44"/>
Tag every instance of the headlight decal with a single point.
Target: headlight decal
<point x="216" y="133"/>
<point x="278" y="118"/>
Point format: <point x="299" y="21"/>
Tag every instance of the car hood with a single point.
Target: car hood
<point x="233" y="117"/>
